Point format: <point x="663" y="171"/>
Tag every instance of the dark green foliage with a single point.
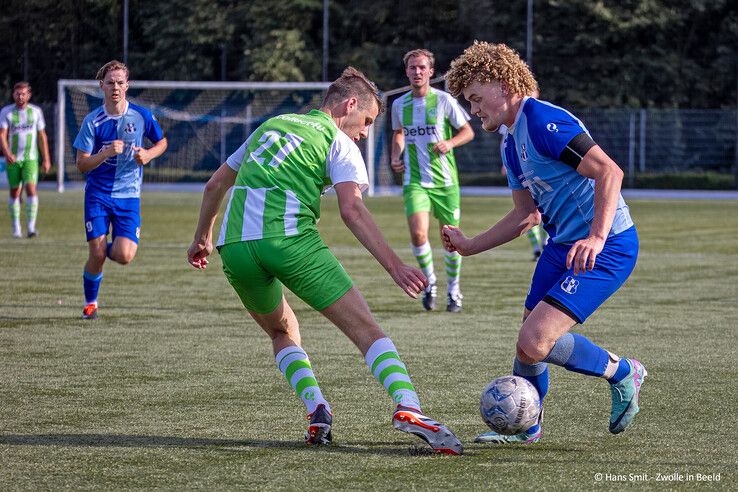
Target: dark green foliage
<point x="637" y="53"/>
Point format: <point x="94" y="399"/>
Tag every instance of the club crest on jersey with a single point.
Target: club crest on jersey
<point x="552" y="127"/>
<point x="523" y="152"/>
<point x="130" y="128"/>
<point x="432" y="112"/>
<point x="569" y="285"/>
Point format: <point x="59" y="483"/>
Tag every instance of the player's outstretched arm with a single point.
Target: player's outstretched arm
<point x="358" y="219"/>
<point x="518" y="221"/>
<point x="608" y="178"/>
<point x="215" y="190"/>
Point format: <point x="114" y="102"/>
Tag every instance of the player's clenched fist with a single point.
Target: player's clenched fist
<point x="114" y="148"/>
<point x="141" y="155"/>
<point x="397" y="165"/>
<point x="455" y="240"/>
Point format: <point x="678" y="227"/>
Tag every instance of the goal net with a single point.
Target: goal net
<point x="204" y="122"/>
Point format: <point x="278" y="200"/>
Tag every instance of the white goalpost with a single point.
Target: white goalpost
<point x="203" y="121"/>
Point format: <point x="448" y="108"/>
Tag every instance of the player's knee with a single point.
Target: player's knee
<point x="532" y="348"/>
<point x="418" y="238"/>
<point x="125" y="257"/>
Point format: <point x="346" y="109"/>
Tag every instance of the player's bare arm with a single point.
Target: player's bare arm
<point x="43" y="145"/>
<point x="87" y="162"/>
<point x="464" y="136"/>
<point x="144" y="156"/>
<point x="9" y="156"/>
<point x="608" y="178"/>
<point x="398" y="145"/>
<point x="215" y="189"/>
<point x="360" y="222"/>
<point x="515" y="223"/>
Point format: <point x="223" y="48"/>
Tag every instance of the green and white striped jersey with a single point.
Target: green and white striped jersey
<point x="427" y="121"/>
<point x="283" y="168"/>
<point x="23" y="126"/>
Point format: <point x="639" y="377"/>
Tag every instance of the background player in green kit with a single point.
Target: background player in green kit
<point x="269" y="238"/>
<point x="22" y="134"/>
<point x="422" y="121"/>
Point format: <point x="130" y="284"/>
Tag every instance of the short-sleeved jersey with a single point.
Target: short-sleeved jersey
<point x="118" y="176"/>
<point x="531" y="150"/>
<point x="23" y="126"/>
<point x="425" y="121"/>
<point x="283" y="168"/>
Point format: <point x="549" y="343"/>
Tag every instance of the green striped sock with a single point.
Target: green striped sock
<point x="385" y="364"/>
<point x="14" y="208"/>
<point x="295" y="365"/>
<point x="453" y="270"/>
<point x="533" y="238"/>
<point x="424" y="255"/>
<point x="32" y="212"/>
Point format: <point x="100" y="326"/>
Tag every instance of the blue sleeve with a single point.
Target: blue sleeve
<point x="153" y="130"/>
<point x="85" y="140"/>
<point x="550" y="127"/>
<point x="508" y="160"/>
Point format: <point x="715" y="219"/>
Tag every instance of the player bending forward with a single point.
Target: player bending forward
<point x="556" y="171"/>
<point x="269" y="238"/>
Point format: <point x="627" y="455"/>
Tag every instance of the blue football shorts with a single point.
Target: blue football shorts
<point x="581" y="295"/>
<point x="123" y="213"/>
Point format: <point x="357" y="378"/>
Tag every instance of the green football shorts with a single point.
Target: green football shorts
<point x="22" y="172"/>
<point x="443" y="202"/>
<point x="303" y="263"/>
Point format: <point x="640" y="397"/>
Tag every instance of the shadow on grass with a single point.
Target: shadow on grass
<point x="126" y="441"/>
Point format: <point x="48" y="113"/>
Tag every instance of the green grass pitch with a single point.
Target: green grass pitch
<point x="174" y="387"/>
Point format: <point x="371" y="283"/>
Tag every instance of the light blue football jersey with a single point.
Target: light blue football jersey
<point x="118" y="176"/>
<point x="531" y="150"/>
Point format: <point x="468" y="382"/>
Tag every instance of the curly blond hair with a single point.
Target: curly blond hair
<point x="486" y="62"/>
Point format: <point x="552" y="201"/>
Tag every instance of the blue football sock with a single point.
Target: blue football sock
<point x="577" y="353"/>
<point x="537" y="375"/>
<point x="620" y="373"/>
<point x="91" y="282"/>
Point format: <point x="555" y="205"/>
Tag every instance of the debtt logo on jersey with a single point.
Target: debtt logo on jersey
<point x="569" y="285"/>
<point x="552" y="127"/>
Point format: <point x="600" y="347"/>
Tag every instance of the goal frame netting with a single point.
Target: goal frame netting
<point x="64" y="84"/>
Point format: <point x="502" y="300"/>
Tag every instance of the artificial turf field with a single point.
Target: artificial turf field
<point x="174" y="387"/>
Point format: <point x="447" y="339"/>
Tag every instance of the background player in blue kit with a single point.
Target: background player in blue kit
<point x="110" y="153"/>
<point x="560" y="176"/>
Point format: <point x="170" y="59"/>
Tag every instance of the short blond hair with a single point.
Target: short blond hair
<point x="419" y="52"/>
<point x="353" y="83"/>
<point x="486" y="62"/>
<point x="109" y="67"/>
<point x="22" y="85"/>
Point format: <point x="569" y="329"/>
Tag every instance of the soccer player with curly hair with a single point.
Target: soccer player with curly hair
<point x="559" y="176"/>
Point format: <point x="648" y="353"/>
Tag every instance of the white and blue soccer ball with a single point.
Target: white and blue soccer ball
<point x="510" y="405"/>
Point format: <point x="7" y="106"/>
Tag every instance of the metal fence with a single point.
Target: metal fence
<point x="639" y="140"/>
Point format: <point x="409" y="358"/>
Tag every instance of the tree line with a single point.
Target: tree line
<point x="586" y="53"/>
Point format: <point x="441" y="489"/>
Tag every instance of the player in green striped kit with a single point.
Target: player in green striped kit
<point x="22" y="134"/>
<point x="423" y="121"/>
<point x="269" y="238"/>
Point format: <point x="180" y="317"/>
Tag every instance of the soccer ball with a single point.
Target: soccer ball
<point x="510" y="405"/>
